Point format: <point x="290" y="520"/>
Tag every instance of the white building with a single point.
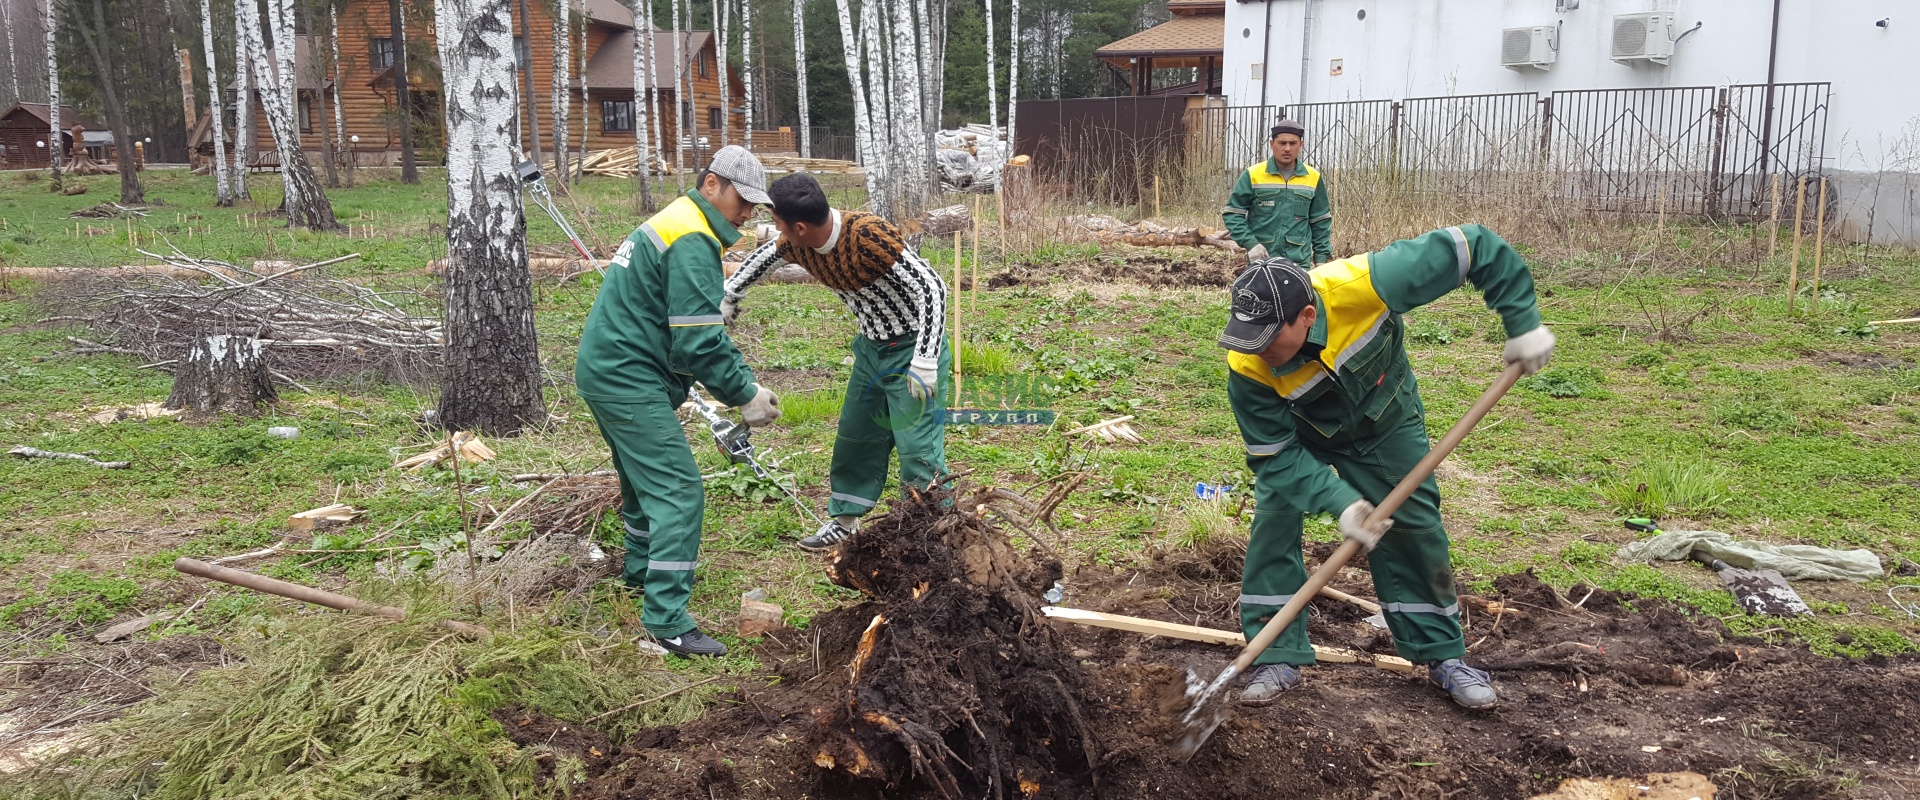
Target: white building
<point x="1321" y="51"/>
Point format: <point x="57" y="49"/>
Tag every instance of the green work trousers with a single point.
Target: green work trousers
<point x="881" y="415"/>
<point x="1411" y="573"/>
<point x="662" y="502"/>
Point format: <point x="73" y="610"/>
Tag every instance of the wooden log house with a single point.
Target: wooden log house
<point x="603" y="99"/>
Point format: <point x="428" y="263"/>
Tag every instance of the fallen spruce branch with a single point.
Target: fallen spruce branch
<point x="24" y="451"/>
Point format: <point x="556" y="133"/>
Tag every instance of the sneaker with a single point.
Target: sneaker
<point x="693" y="643"/>
<point x="1469" y="687"/>
<point x="831" y="533"/>
<point x="1267" y="682"/>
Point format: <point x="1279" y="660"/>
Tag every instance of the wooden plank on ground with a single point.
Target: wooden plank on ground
<point x="1194" y="633"/>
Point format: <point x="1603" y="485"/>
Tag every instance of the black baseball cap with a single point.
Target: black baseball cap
<point x="1263" y="296"/>
<point x="1288" y="126"/>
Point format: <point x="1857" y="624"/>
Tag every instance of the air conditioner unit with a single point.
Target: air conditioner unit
<point x="1527" y="47"/>
<point x="1646" y="36"/>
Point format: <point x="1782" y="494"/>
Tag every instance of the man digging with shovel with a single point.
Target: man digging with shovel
<point x="1319" y="378"/>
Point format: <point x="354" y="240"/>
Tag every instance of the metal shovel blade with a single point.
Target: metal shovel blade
<point x="1763" y="591"/>
<point x="1205" y="711"/>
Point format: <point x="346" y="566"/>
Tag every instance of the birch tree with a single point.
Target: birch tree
<point x="305" y="202"/>
<point x="1013" y="73"/>
<point x="993" y="73"/>
<point x="642" y="106"/>
<point x="492" y="378"/>
<point x="56" y="150"/>
<point x="243" y="135"/>
<point x="909" y="118"/>
<point x="800" y="75"/>
<point x="681" y="136"/>
<point x="222" y="179"/>
<point x="13" y="47"/>
<point x="655" y="141"/>
<point x="339" y="110"/>
<point x="886" y="149"/>
<point x="562" y="96"/>
<point x="721" y="20"/>
<point x="586" y="109"/>
<point x="746" y="69"/>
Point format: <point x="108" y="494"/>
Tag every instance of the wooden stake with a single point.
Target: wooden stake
<point x="1793" y="272"/>
<point x="1773" y="236"/>
<point x="1660" y="227"/>
<point x="1000" y="216"/>
<point x="1819" y="242"/>
<point x="1156" y="195"/>
<point x="959" y="258"/>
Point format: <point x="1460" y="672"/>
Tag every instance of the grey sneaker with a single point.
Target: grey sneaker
<point x="1267" y="682"/>
<point x="693" y="643"/>
<point x="1469" y="687"/>
<point x="830" y="534"/>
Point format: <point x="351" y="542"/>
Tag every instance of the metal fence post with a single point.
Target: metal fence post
<point x="1393" y="136"/>
<point x="1716" y="162"/>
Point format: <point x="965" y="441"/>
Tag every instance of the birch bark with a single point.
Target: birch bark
<point x="222" y="186"/>
<point x="305" y="202"/>
<point x="492" y="378"/>
<point x="643" y="100"/>
<point x="562" y="93"/>
<point x="800" y="75"/>
<point x="56" y="150"/>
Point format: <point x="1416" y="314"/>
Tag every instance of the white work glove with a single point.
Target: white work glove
<point x="1257" y="253"/>
<point x="1353" y="525"/>
<point x="730" y="309"/>
<point x="923" y="377"/>
<point x="1531" y="350"/>
<point x="763" y="409"/>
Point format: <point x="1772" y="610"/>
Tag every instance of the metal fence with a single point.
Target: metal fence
<point x="1701" y="150"/>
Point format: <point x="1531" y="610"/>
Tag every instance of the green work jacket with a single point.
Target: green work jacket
<point x="1288" y="213"/>
<point x="655" y="327"/>
<point x="1352" y="381"/>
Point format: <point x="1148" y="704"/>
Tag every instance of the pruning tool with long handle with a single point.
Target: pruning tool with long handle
<point x="735" y="442"/>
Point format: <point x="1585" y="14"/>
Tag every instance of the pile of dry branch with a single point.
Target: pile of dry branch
<point x="309" y="326"/>
<point x="1148" y="233"/>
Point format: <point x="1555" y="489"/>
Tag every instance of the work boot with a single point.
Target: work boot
<point x="831" y="532"/>
<point x="1267" y="682"/>
<point x="1469" y="687"/>
<point x="693" y="643"/>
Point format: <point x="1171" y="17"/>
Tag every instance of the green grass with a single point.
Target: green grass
<point x="1743" y="422"/>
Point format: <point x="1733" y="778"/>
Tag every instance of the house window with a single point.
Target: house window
<point x="523" y="58"/>
<point x="616" y="116"/>
<point x="686" y="113"/>
<point x="713" y="118"/>
<point x="706" y="63"/>
<point x="380" y="52"/>
<point x="306" y="112"/>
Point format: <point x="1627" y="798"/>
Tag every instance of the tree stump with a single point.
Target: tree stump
<point x="222" y="373"/>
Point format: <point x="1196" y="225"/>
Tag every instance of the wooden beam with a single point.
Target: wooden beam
<point x="1193" y="633"/>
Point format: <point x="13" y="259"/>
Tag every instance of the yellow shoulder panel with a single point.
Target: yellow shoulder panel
<point x="678" y="219"/>
<point x="1354" y="310"/>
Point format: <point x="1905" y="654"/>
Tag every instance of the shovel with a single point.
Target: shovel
<point x="1205" y="709"/>
<point x="1759" y="591"/>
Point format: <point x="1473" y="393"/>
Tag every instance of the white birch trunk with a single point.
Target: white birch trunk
<point x="57" y="155"/>
<point x="862" y="120"/>
<point x="492" y="377"/>
<point x="222" y="178"/>
<point x="562" y="93"/>
<point x="1013" y="72"/>
<point x="800" y="75"/>
<point x="885" y="151"/>
<point x="306" y="202"/>
<point x="909" y="126"/>
<point x="746" y="66"/>
<point x="13" y="47"/>
<point x="586" y="104"/>
<point x="656" y="143"/>
<point x="993" y="75"/>
<point x="681" y="136"/>
<point x="722" y="16"/>
<point x="922" y="28"/>
<point x="643" y="99"/>
<point x="283" y="50"/>
<point x="339" y="110"/>
<point x="243" y="135"/>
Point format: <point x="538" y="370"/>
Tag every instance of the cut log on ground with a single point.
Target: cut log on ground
<point x="222" y="374"/>
<point x="308" y="594"/>
<point x="471" y="449"/>
<point x="24" y="451"/>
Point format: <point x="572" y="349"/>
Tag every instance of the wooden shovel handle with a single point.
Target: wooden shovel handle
<point x="1381" y="513"/>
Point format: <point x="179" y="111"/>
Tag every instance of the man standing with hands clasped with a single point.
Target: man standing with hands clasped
<point x="1279" y="206"/>
<point x="896" y="398"/>
<point x="654" y="329"/>
<point x="1318" y="378"/>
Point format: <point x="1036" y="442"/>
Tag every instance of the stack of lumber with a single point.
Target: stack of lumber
<point x="619" y="163"/>
<point x="797" y="164"/>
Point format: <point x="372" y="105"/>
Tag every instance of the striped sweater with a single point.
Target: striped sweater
<point x="890" y="290"/>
